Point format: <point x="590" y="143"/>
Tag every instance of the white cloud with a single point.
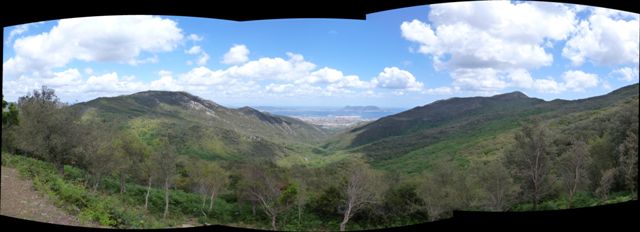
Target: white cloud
<point x="490" y="46"/>
<point x="237" y="54"/>
<point x="203" y="57"/>
<point x="548" y="86"/>
<point x="194" y="37"/>
<point x="203" y="76"/>
<point x="486" y="80"/>
<point x="625" y="74"/>
<point x="279" y="88"/>
<point x="521" y="78"/>
<point x="88" y="71"/>
<point x="276" y="68"/>
<point x="577" y="80"/>
<point x="607" y="37"/>
<point x="504" y="36"/>
<point x="16" y="31"/>
<point x="194" y="50"/>
<point x="105" y="38"/>
<point x="69" y="80"/>
<point x="110" y="83"/>
<point x="395" y="78"/>
<point x="166" y="82"/>
<point x="202" y="60"/>
<point x="606" y="85"/>
<point x="442" y="90"/>
<point x="69" y="84"/>
<point x="335" y="79"/>
<point x="420" y="32"/>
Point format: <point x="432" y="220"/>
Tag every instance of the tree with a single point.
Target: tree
<point x="269" y="188"/>
<point x="573" y="169"/>
<point x="148" y="170"/>
<point x="628" y="161"/>
<point x="326" y="204"/>
<point x="402" y="202"/>
<point x="9" y="113"/>
<point x="530" y="161"/>
<point x="165" y="161"/>
<point x="218" y="179"/>
<point x="363" y="187"/>
<point x="129" y="155"/>
<point x="48" y="128"/>
<point x="302" y="177"/>
<point x="440" y="191"/>
<point x="606" y="182"/>
<point x="600" y="150"/>
<point x="9" y="122"/>
<point x="208" y="179"/>
<point x="496" y="185"/>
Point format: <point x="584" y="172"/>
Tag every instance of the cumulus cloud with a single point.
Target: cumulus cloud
<point x="237" y="54"/>
<point x="273" y="68"/>
<point x="166" y="82"/>
<point x="112" y="83"/>
<point x="395" y="78"/>
<point x="194" y="50"/>
<point x="194" y="37"/>
<point x="573" y="80"/>
<point x="16" y="31"/>
<point x="607" y="37"/>
<point x="445" y="90"/>
<point x="279" y="88"/>
<point x="70" y="84"/>
<point x="577" y="80"/>
<point x="625" y="74"/>
<point x="203" y="57"/>
<point x="479" y="79"/>
<point x="106" y="38"/>
<point x="548" y="86"/>
<point x="203" y="76"/>
<point x="503" y="34"/>
<point x="506" y="43"/>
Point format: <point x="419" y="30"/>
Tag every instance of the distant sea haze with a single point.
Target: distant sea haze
<point x="364" y="112"/>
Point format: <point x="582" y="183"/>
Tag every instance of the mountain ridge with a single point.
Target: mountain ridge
<point x="395" y="135"/>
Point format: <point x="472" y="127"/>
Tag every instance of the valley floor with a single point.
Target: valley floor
<point x="20" y="200"/>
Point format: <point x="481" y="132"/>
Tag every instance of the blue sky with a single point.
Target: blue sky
<point x="397" y="58"/>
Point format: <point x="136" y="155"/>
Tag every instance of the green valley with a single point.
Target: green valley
<point x="163" y="159"/>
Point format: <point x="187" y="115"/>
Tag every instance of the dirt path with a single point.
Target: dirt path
<point x="20" y="200"/>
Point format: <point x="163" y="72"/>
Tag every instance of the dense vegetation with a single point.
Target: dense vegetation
<point x="157" y="159"/>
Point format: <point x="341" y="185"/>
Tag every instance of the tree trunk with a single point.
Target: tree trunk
<point x="213" y="195"/>
<point x="570" y="201"/>
<point x="273" y="222"/>
<point x="347" y="215"/>
<point x="299" y="213"/>
<point x="535" y="196"/>
<point x="95" y="185"/>
<point x="122" y="183"/>
<point x="166" y="198"/>
<point x="60" y="168"/>
<point x="146" y="197"/>
<point x="253" y="208"/>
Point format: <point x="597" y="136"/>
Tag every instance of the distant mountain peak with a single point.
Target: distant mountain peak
<point x="512" y="95"/>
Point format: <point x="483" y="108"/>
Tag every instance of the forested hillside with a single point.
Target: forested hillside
<point x="162" y="159"/>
